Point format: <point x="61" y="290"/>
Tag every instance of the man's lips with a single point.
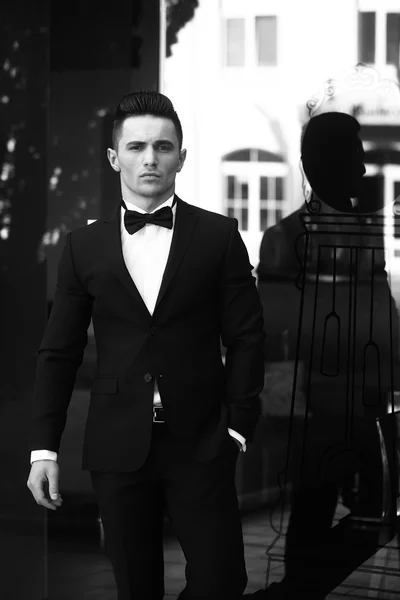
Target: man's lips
<point x="152" y="175"/>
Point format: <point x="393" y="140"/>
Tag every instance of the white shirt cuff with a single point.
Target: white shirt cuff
<point x="238" y="437"/>
<point x="43" y="455"/>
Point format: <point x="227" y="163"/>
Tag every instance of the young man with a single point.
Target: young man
<point x="164" y="282"/>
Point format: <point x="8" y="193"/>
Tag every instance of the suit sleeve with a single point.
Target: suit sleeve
<point x="242" y="333"/>
<point x="59" y="356"/>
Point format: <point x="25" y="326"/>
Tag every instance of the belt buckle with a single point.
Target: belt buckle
<point x="155" y="420"/>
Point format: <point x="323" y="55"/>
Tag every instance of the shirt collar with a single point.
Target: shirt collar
<point x="140" y="210"/>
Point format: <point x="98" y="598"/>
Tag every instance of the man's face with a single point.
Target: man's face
<point x="148" y="157"/>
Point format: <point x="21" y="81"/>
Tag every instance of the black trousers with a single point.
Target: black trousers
<point x="201" y="501"/>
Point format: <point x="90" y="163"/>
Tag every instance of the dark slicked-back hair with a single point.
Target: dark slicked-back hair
<point x="145" y="103"/>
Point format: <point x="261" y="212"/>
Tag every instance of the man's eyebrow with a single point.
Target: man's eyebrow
<point x="159" y="141"/>
<point x="164" y="141"/>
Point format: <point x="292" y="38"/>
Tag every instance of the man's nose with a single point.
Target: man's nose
<point x="150" y="157"/>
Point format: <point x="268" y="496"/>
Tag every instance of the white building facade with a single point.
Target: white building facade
<point x="240" y="76"/>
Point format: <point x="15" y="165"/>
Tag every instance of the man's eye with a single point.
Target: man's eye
<point x="164" y="148"/>
<point x="135" y="147"/>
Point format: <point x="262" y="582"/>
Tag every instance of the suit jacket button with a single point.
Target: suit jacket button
<point x="153" y="331"/>
<point x="148" y="377"/>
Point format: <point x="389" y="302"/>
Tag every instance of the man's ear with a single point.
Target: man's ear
<point x="113" y="159"/>
<point x="182" y="158"/>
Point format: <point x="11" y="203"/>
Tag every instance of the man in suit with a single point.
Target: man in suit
<point x="163" y="282"/>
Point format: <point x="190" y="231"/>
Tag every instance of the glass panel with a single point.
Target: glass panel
<point x="265" y="156"/>
<point x="235" y="42"/>
<point x="245" y="155"/>
<point x="263" y="219"/>
<point x="279" y="188"/>
<point x="245" y="219"/>
<point x="244" y="191"/>
<point x="396" y="190"/>
<point x="231" y="212"/>
<point x="371" y="196"/>
<point x="238" y="156"/>
<point x="396" y="195"/>
<point x="263" y="188"/>
<point x="266" y="41"/>
<point x="366" y="48"/>
<point x="230" y="187"/>
<point x="278" y="215"/>
<point x="393" y="38"/>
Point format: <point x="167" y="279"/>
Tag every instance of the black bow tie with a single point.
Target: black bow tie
<point x="135" y="220"/>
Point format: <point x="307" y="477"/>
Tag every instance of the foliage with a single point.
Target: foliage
<point x="179" y="12"/>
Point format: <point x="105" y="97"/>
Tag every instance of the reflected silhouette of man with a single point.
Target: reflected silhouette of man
<point x="164" y="282"/>
<point x="318" y="557"/>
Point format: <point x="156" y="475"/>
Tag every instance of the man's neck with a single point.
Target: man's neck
<point x="148" y="204"/>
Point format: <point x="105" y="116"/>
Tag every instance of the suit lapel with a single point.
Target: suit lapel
<point x="185" y="221"/>
<point x="117" y="263"/>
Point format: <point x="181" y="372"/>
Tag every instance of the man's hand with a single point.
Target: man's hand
<point x="43" y="483"/>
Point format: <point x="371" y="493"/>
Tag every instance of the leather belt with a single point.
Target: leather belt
<point x="158" y="414"/>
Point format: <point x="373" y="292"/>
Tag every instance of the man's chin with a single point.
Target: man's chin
<point x="150" y="189"/>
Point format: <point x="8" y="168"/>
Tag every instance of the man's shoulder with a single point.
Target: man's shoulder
<point x="85" y="239"/>
<point x="211" y="216"/>
<point x="90" y="229"/>
<point x="289" y="225"/>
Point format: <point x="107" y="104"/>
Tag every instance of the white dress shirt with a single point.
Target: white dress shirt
<point x="145" y="254"/>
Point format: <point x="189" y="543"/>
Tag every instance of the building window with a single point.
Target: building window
<point x="393" y="39"/>
<point x="237" y="194"/>
<point x="396" y="191"/>
<point x="235" y="42"/>
<point x="266" y="42"/>
<point x="379" y="38"/>
<point x="367" y="37"/>
<point x="271" y="197"/>
<point x="396" y="196"/>
<point x="254" y="182"/>
<point x="251" y="41"/>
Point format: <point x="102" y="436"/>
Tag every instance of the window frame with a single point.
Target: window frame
<point x="253" y="171"/>
<point x="380" y="32"/>
<point x="250" y="40"/>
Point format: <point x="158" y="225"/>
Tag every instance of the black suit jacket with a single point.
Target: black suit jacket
<point x="207" y="293"/>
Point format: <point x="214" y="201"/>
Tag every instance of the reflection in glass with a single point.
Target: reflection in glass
<point x="230" y="187"/>
<point x="237" y="195"/>
<point x="263" y="188"/>
<point x="396" y="190"/>
<point x="266" y="41"/>
<point x="279" y="188"/>
<point x="271" y="192"/>
<point x="235" y="42"/>
<point x="393" y="39"/>
<point x="367" y="37"/>
<point x="242" y="155"/>
<point x="263" y="219"/>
